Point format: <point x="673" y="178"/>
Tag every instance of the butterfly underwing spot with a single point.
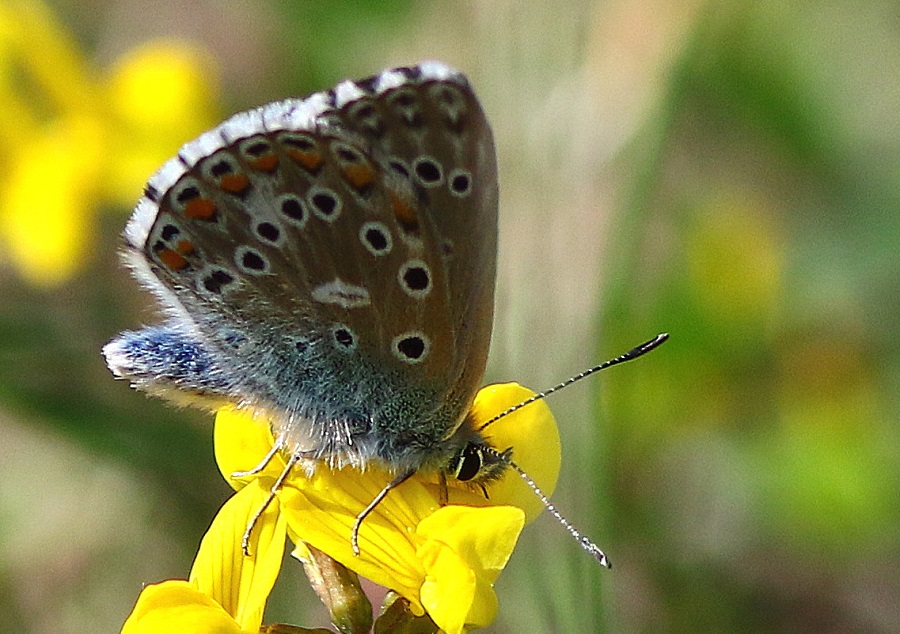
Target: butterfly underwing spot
<point x="376" y="237"/>
<point x="341" y="293"/>
<point x="187" y="189"/>
<point x="452" y="105"/>
<point x="344" y="338"/>
<point x="169" y="231"/>
<point x="269" y="232"/>
<point x="188" y="198"/>
<point x="405" y="102"/>
<point x="251" y="261"/>
<point x="346" y="154"/>
<point x="357" y="423"/>
<point x="411" y="347"/>
<point x="325" y="203"/>
<point x="303" y="150"/>
<point x="223" y="169"/>
<point x="365" y="116"/>
<point x="184" y="247"/>
<point x="259" y="154"/>
<point x="216" y="280"/>
<point x="447" y="248"/>
<point x="428" y="171"/>
<point x="415" y="278"/>
<point x="460" y="182"/>
<point x="404" y="212"/>
<point x="399" y="167"/>
<point x="293" y="209"/>
<point x="301" y="344"/>
<point x="170" y="258"/>
<point x="355" y="168"/>
<point x="172" y="252"/>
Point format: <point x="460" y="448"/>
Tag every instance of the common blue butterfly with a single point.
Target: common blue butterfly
<point x="330" y="262"/>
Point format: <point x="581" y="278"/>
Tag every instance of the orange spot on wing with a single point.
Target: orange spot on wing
<point x="172" y="260"/>
<point x="234" y="183"/>
<point x="359" y="176"/>
<point x="184" y="247"/>
<point x="404" y="212"/>
<point x="200" y="208"/>
<point x="310" y="160"/>
<point x="266" y="163"/>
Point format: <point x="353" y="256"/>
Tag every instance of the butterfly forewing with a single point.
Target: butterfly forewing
<point x="436" y="133"/>
<point x="336" y="255"/>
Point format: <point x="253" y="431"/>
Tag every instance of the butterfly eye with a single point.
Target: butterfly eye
<point x="468" y="463"/>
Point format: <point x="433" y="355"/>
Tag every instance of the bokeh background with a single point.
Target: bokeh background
<point x="725" y="171"/>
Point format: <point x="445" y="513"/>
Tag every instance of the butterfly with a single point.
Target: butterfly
<point x="330" y="261"/>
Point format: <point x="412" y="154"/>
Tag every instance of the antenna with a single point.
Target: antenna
<point x="634" y="353"/>
<point x="583" y="540"/>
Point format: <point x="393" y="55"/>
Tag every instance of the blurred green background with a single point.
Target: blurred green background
<point x="727" y="171"/>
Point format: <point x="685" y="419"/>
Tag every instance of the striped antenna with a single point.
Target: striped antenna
<point x="634" y="353"/>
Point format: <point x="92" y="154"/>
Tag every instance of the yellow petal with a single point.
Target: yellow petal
<point x="176" y="606"/>
<point x="449" y="589"/>
<point x="447" y="563"/>
<point x="463" y="550"/>
<point x="483" y="536"/>
<point x="321" y="511"/>
<point x="241" y="584"/>
<point x="241" y="443"/>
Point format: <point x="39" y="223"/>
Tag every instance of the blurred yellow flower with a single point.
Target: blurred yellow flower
<point x="72" y="142"/>
<point x="227" y="591"/>
<point x="443" y="560"/>
<point x="736" y="263"/>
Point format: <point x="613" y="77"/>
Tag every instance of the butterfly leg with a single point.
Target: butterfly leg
<point x="443" y="491"/>
<point x="393" y="484"/>
<point x="245" y="540"/>
<point x="262" y="464"/>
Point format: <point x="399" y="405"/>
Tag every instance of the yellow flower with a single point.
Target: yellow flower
<point x="227" y="591"/>
<point x="71" y="142"/>
<point x="443" y="560"/>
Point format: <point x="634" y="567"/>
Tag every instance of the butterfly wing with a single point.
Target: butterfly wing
<point x="335" y="258"/>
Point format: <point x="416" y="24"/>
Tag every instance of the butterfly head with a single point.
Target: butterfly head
<point x="479" y="463"/>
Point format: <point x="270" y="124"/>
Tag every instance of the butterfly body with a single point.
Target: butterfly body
<point x="330" y="263"/>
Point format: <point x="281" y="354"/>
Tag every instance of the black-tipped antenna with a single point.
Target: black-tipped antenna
<point x="634" y="353"/>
